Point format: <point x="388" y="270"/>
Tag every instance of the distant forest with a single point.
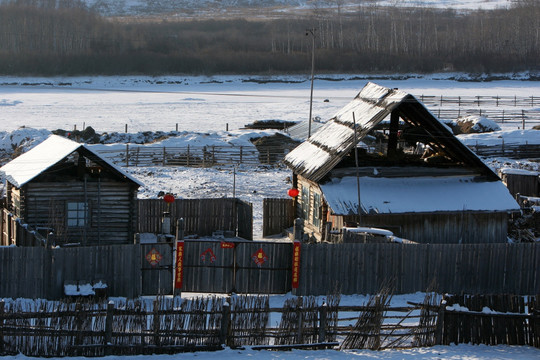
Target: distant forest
<point x="62" y="37"/>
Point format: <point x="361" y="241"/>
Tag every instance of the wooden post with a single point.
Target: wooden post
<point x="322" y="322"/>
<point x="2" y="307"/>
<point x="300" y="333"/>
<point x="163" y="160"/>
<point x="176" y="127"/>
<point x="78" y="328"/>
<point x="298" y="229"/>
<point x="227" y="127"/>
<point x="108" y="328"/>
<point x="188" y="155"/>
<point x="127" y="155"/>
<point x="156" y="324"/>
<point x="439" y="327"/>
<point x="126" y="129"/>
<point x="225" y="322"/>
<point x="523" y="119"/>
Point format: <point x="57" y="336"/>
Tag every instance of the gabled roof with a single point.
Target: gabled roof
<point x="37" y="160"/>
<point x="318" y="155"/>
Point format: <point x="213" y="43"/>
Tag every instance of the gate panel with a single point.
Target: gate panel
<point x="208" y="267"/>
<point x="264" y="267"/>
<point x="245" y="220"/>
<point x="157" y="268"/>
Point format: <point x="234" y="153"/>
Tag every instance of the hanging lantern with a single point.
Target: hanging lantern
<point x="293" y="192"/>
<point x="168" y="198"/>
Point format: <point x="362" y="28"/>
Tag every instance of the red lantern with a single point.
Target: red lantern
<point x="168" y="198"/>
<point x="293" y="192"/>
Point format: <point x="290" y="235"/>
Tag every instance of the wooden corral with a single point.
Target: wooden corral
<point x="422" y="182"/>
<point x="64" y="189"/>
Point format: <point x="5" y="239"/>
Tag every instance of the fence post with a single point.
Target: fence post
<point x="522" y="119"/>
<point x="108" y="328"/>
<point x="300" y="334"/>
<point x="78" y="326"/>
<point x="127" y="155"/>
<point x="156" y="323"/>
<point x="187" y="155"/>
<point x="2" y="307"/>
<point x="164" y="156"/>
<point x="439" y="327"/>
<point x="225" y="322"/>
<point x="322" y="323"/>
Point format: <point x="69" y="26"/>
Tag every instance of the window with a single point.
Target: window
<point x="77" y="214"/>
<point x="305" y="203"/>
<point x="316" y="209"/>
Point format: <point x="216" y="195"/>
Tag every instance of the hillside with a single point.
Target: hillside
<point x="69" y="37"/>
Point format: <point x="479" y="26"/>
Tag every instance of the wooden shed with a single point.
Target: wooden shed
<point x="385" y="161"/>
<point x="64" y="189"/>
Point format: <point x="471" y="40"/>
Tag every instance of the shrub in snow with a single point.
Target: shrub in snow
<point x="474" y="124"/>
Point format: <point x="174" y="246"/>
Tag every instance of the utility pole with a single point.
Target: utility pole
<point x="312" y="33"/>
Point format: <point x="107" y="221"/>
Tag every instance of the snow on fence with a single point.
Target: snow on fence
<point x="172" y="325"/>
<point x="493" y="101"/>
<point x="195" y="156"/>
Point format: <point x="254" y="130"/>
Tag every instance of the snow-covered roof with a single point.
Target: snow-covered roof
<point x="34" y="162"/>
<point x="319" y="154"/>
<point x="380" y="195"/>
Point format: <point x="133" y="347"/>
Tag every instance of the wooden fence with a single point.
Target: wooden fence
<point x="278" y="214"/>
<point x="195" y="156"/>
<point x="492" y="101"/>
<point x="202" y="217"/>
<point x="38" y="272"/>
<point x="266" y="267"/>
<point x="172" y="325"/>
<point x="514" y="151"/>
<point x="490" y="320"/>
<point x="452" y="268"/>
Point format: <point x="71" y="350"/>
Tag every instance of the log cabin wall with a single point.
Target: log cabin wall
<point x="311" y="207"/>
<point x="110" y="216"/>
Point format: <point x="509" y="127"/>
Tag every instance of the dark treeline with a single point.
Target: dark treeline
<point x="49" y="37"/>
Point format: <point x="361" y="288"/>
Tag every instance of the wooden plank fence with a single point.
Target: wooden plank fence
<point x="355" y="268"/>
<point x="38" y="272"/>
<point x="202" y="217"/>
<point x="278" y="214"/>
<point x="358" y="268"/>
<point x="490" y="320"/>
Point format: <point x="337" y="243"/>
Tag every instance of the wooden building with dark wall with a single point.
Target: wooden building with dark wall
<point x="385" y="161"/>
<point x="70" y="194"/>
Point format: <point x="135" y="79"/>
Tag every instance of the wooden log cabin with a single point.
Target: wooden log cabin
<point x="71" y="194"/>
<point x="385" y="161"/>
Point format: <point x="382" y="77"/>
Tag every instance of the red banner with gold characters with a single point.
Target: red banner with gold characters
<point x="179" y="275"/>
<point x="296" y="265"/>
